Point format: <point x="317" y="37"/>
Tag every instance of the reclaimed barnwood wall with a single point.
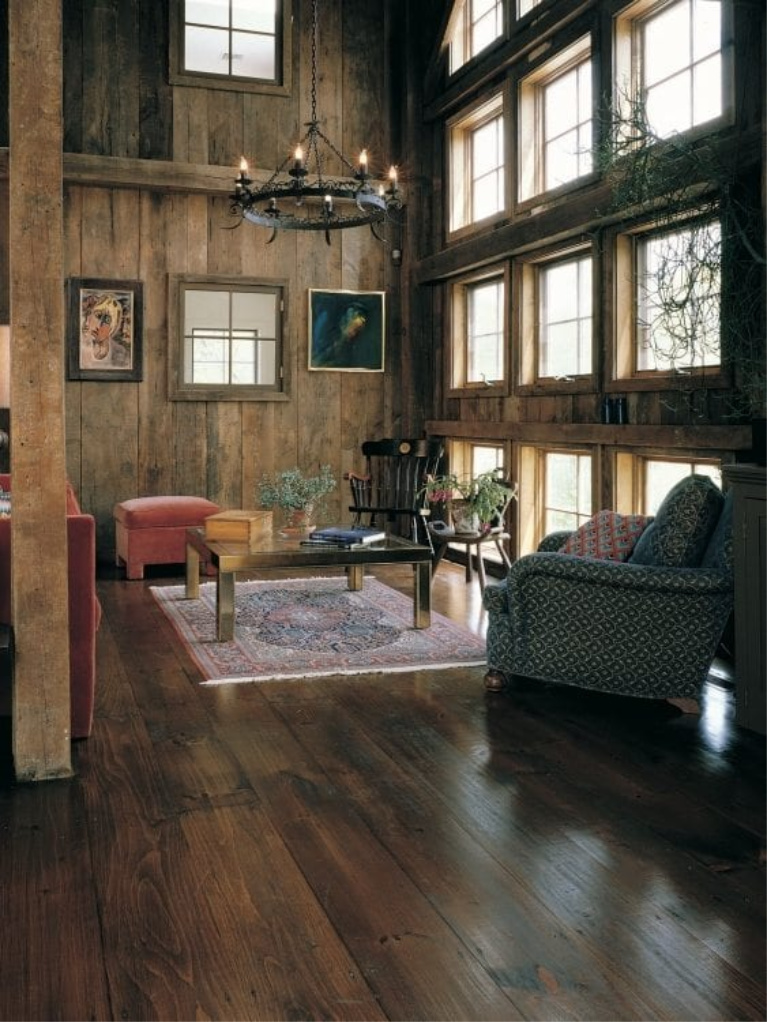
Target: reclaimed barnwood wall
<point x="139" y="155"/>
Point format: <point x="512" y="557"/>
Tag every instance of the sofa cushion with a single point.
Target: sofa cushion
<point x="683" y="526"/>
<point x="607" y="536"/>
<point x="164" y="512"/>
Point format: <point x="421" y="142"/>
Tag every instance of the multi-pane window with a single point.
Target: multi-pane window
<point x="478" y="329"/>
<point x="229" y="341"/>
<point x="670" y="60"/>
<point x="477" y="166"/>
<point x="564" y="318"/>
<point x="678" y="298"/>
<point x="241" y="44"/>
<point x="477" y="24"/>
<point x="556" y="115"/>
<point x="567" y="490"/>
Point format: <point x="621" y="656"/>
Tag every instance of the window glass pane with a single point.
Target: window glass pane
<point x="666" y="48"/>
<point x="668" y="106"/>
<point x="253" y="56"/>
<point x="707" y="28"/>
<point x="486" y="147"/>
<point x="266" y="365"/>
<point x="678" y="297"/>
<point x="564" y="342"/>
<point x="244" y="357"/>
<point x="568" y="490"/>
<point x="707" y="90"/>
<point x="208" y="12"/>
<point x="209" y="356"/>
<point x="660" y="476"/>
<point x="254" y="310"/>
<point x="567" y="126"/>
<point x="206" y="308"/>
<point x="484" y="342"/>
<point x="255" y="15"/>
<point x="485" y="459"/>
<point x="206" y="50"/>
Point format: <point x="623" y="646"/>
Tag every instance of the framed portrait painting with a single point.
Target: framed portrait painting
<point x="346" y="331"/>
<point x="104" y="329"/>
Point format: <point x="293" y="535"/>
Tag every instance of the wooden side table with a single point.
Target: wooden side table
<point x="474" y="542"/>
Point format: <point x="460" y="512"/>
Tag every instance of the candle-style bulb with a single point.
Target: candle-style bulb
<point x="393" y="176"/>
<point x="364" y="160"/>
<point x="243" y="166"/>
<point x="298" y="156"/>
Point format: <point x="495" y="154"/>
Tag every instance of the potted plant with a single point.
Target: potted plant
<point x="475" y="503"/>
<point x="297" y="495"/>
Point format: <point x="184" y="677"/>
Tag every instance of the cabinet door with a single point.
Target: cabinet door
<point x="750" y="554"/>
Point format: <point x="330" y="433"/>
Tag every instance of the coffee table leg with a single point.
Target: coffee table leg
<point x="422" y="595"/>
<point x="355" y="574"/>
<point x="192" y="573"/>
<point x="225" y="605"/>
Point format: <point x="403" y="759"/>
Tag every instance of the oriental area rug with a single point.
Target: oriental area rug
<point x="312" y="628"/>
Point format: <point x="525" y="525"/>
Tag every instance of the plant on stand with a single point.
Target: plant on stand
<point x="474" y="503"/>
<point x="297" y="495"/>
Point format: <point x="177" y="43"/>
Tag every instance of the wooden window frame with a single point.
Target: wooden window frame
<point x="629" y="476"/>
<point x="460" y="129"/>
<point x="622" y="371"/>
<point x="627" y="51"/>
<point x="459" y="35"/>
<point x="458" y="333"/>
<point x="279" y="86"/>
<point x="531" y="140"/>
<point x="527" y="272"/>
<point x="181" y="390"/>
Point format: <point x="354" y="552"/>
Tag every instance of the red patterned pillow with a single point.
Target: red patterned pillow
<point x="608" y="536"/>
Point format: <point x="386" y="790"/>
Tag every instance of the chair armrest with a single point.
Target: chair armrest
<point x="568" y="569"/>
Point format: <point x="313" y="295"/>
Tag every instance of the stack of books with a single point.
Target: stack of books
<point x="344" y="536"/>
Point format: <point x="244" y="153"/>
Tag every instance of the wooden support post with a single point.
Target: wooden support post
<point x="41" y="704"/>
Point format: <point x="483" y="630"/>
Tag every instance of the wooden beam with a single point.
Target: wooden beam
<point x="703" y="438"/>
<point x="41" y="704"/>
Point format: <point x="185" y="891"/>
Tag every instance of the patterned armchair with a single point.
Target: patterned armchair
<point x="641" y="619"/>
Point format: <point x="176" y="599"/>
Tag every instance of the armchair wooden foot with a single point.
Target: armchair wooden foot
<point x="495" y="681"/>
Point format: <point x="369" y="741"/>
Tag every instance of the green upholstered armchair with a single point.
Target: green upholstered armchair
<point x="646" y="626"/>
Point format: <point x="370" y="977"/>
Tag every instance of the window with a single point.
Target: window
<point x="241" y="44"/>
<point x="670" y="56"/>
<point x="555" y="492"/>
<point x="678" y="298"/>
<point x="469" y="458"/>
<point x="556" y="325"/>
<point x="555" y="118"/>
<point x="476" y="24"/>
<point x="479" y="332"/>
<point x="228" y="340"/>
<point x="642" y="481"/>
<point x="477" y="166"/>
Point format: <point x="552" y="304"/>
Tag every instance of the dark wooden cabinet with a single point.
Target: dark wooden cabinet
<point x="749" y="483"/>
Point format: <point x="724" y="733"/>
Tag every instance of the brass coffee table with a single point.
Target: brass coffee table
<point x="273" y="552"/>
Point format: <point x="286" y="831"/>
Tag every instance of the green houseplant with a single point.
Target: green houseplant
<point x="297" y="495"/>
<point x="474" y="502"/>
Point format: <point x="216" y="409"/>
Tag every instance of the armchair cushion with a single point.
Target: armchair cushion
<point x="607" y="536"/>
<point x="683" y="526"/>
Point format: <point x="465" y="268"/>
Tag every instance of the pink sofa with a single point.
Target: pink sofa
<point x="84" y="608"/>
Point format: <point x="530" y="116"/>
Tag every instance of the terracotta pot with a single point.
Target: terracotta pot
<point x="298" y="523"/>
<point x="464" y="518"/>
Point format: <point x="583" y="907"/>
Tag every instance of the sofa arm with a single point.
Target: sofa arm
<point x="554" y="541"/>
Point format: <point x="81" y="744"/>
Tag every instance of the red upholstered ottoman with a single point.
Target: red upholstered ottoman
<point x="152" y="530"/>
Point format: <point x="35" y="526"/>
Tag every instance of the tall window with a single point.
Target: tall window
<point x="564" y="315"/>
<point x="477" y="24"/>
<point x="525" y="6"/>
<point x="678" y="298"/>
<point x="477" y="165"/>
<point x="555" y="109"/>
<point x="671" y="54"/>
<point x="231" y="43"/>
<point x="229" y="343"/>
<point x="479" y="332"/>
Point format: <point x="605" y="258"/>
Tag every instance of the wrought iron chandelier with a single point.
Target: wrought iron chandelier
<point x="300" y="197"/>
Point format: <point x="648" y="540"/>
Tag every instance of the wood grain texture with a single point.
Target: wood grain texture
<point x="383" y="847"/>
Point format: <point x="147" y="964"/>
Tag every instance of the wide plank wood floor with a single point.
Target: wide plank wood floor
<point x="382" y="847"/>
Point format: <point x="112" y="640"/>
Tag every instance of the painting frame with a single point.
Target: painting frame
<point x="347" y="331"/>
<point x="104" y="329"/>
